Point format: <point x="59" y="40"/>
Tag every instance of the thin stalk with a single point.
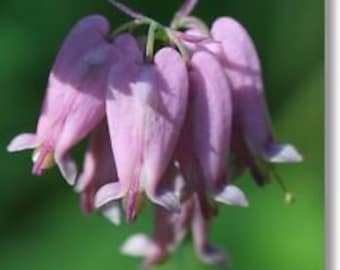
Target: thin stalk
<point x="187" y="7"/>
<point x="150" y="45"/>
<point x="182" y="49"/>
<point x="289" y="197"/>
<point x="127" y="10"/>
<point x="129" y="26"/>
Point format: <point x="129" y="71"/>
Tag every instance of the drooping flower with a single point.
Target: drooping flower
<point x="205" y="144"/>
<point x="98" y="170"/>
<point x="178" y="124"/>
<point x="252" y="139"/>
<point x="252" y="129"/>
<point x="75" y="99"/>
<point x="149" y="99"/>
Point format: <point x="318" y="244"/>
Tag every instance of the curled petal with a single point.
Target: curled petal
<point x="68" y="169"/>
<point x="232" y="195"/>
<point x="112" y="212"/>
<point x="283" y="153"/>
<point x="23" y="142"/>
<point x="139" y="245"/>
<point x="167" y="199"/>
<point x="109" y="192"/>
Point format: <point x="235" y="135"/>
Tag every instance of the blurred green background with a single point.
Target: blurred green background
<point x="41" y="225"/>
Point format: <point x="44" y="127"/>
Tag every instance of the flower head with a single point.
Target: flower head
<point x="176" y="118"/>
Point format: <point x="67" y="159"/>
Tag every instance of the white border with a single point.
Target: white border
<point x="333" y="133"/>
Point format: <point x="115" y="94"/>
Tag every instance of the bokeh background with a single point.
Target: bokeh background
<point x="41" y="225"/>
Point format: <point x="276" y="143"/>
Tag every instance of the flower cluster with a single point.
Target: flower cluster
<point x="177" y="125"/>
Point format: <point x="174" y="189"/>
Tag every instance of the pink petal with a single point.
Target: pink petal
<point x="68" y="168"/>
<point x="23" y="141"/>
<point x="244" y="71"/>
<point x="109" y="192"/>
<point x="149" y="101"/>
<point x="211" y="115"/>
<point x="164" y="122"/>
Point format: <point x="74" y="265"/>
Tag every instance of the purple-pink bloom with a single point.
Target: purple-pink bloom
<point x="252" y="138"/>
<point x="75" y="99"/>
<point x="243" y="69"/>
<point x="146" y="104"/>
<point x="98" y="170"/>
<point x="204" y="146"/>
<point x="177" y="124"/>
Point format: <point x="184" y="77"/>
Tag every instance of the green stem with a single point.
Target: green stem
<point x="182" y="49"/>
<point x="190" y="20"/>
<point x="289" y="197"/>
<point x="130" y="26"/>
<point x="150" y="45"/>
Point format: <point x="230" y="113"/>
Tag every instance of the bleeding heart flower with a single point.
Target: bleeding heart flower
<point x="75" y="98"/>
<point x="251" y="119"/>
<point x="146" y="104"/>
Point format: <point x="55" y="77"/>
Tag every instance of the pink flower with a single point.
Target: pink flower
<point x="98" y="170"/>
<point x="146" y="104"/>
<point x="252" y="137"/>
<point x="75" y="98"/>
<point x="242" y="67"/>
<point x="204" y="146"/>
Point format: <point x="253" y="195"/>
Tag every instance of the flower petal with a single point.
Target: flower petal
<point x="23" y="141"/>
<point x="211" y="117"/>
<point x="68" y="168"/>
<point x="139" y="245"/>
<point x="112" y="212"/>
<point x="166" y="199"/>
<point x="232" y="195"/>
<point x="283" y="153"/>
<point x="109" y="192"/>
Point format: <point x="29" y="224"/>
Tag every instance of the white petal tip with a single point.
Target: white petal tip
<point x="232" y="195"/>
<point x="108" y="193"/>
<point x="68" y="170"/>
<point x="112" y="213"/>
<point x="169" y="201"/>
<point x="22" y="142"/>
<point x="283" y="153"/>
<point x="80" y="184"/>
<point x="138" y="245"/>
